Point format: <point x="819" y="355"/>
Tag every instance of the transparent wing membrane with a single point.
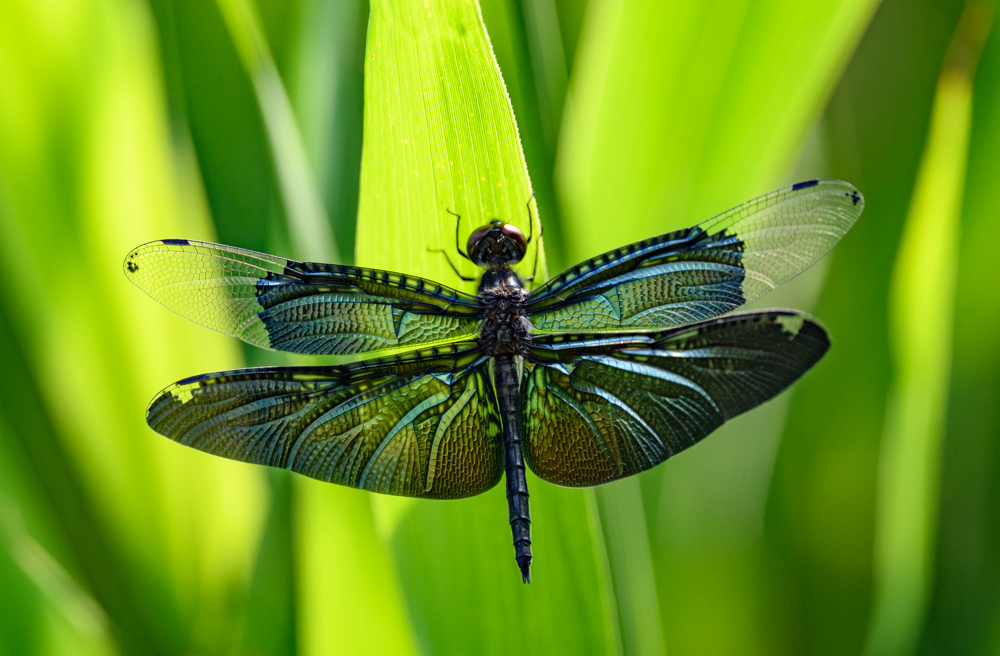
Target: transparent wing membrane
<point x="300" y="307"/>
<point x="704" y="271"/>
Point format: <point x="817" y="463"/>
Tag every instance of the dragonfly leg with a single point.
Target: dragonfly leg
<point x="458" y="242"/>
<point x="531" y="224"/>
<point x="450" y="263"/>
<point x="531" y="234"/>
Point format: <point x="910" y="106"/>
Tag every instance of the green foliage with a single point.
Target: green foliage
<point x="921" y="307"/>
<point x="681" y="110"/>
<point x="967" y="548"/>
<point x="859" y="510"/>
<point x="440" y="137"/>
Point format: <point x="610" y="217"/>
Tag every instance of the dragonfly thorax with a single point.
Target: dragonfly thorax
<point x="505" y="327"/>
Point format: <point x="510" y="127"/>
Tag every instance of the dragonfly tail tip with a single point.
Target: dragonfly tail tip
<point x="525" y="565"/>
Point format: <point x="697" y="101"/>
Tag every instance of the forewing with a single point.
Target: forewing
<point x="417" y="425"/>
<point x="701" y="272"/>
<point x="596" y="410"/>
<point x="301" y="307"/>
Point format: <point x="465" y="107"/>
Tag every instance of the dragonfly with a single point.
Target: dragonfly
<point x="604" y="371"/>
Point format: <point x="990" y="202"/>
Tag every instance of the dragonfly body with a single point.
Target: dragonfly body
<point x="604" y="371"/>
<point x="505" y="335"/>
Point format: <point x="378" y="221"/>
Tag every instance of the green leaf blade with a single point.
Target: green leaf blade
<point x="439" y="137"/>
<point x="821" y="507"/>
<point x="922" y="307"/>
<point x="682" y="110"/>
<point x="679" y="111"/>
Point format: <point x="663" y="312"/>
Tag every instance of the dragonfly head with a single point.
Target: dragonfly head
<point x="495" y="244"/>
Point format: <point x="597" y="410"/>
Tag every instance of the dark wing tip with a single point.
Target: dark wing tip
<point x="808" y="338"/>
<point x="849" y="191"/>
<point x="131" y="263"/>
<point x="846" y="189"/>
<point x="160" y="407"/>
<point x="162" y="411"/>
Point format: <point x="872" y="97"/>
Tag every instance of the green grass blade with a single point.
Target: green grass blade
<point x="631" y="563"/>
<point x="679" y="111"/>
<point x="308" y="226"/>
<point x="216" y="123"/>
<point x="921" y="306"/>
<point x="45" y="610"/>
<point x="571" y="18"/>
<point x="464" y="591"/>
<point x="965" y="607"/>
<point x="183" y="529"/>
<point x="548" y="60"/>
<point x="55" y="556"/>
<point x="268" y="622"/>
<point x="821" y="506"/>
<point x="440" y="135"/>
<point x="349" y="600"/>
<point x="326" y="84"/>
<point x="527" y="80"/>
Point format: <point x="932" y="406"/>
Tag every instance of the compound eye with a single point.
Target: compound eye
<point x="515" y="235"/>
<point x="472" y="246"/>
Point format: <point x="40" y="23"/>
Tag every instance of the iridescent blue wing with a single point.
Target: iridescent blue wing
<point x="423" y="424"/>
<point x="302" y="307"/>
<point x="701" y="272"/>
<point x="596" y="409"/>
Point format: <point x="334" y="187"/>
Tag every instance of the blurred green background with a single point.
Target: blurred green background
<point x="857" y="513"/>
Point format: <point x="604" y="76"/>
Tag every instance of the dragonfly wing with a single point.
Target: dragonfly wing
<point x="301" y="307"/>
<point x="596" y="410"/>
<point x="704" y="271"/>
<point x="424" y="424"/>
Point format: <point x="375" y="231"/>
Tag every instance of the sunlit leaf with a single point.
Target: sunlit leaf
<point x="819" y="524"/>
<point x="679" y="111"/>
<point x="921" y="306"/>
<point x="184" y="529"/>
<point x="439" y="136"/>
<point x="326" y="84"/>
<point x="965" y="605"/>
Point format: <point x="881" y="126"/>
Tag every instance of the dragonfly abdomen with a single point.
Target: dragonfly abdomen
<point x="505" y="379"/>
